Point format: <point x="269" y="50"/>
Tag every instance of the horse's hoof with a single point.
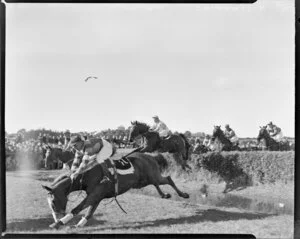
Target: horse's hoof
<point x="56" y="225"/>
<point x="185" y="195"/>
<point x="166" y="196"/>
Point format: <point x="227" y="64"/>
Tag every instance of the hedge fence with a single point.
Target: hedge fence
<point x="256" y="166"/>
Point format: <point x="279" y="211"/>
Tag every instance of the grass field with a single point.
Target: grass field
<point x="28" y="212"/>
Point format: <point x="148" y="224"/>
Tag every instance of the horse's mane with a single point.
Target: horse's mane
<point x="141" y="123"/>
<point x="59" y="178"/>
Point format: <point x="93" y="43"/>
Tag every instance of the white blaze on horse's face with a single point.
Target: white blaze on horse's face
<point x="54" y="214"/>
<point x="47" y="154"/>
<point x="57" y="202"/>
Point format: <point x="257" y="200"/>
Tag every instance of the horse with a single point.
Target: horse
<point x="176" y="144"/>
<point x="270" y="143"/>
<point x="56" y="154"/>
<point x="201" y="149"/>
<point x="99" y="185"/>
<point x="226" y="144"/>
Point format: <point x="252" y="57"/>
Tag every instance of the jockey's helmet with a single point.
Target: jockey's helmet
<point x="270" y="123"/>
<point x="226" y="125"/>
<point x="155" y="117"/>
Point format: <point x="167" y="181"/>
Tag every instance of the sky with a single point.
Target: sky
<point x="193" y="65"/>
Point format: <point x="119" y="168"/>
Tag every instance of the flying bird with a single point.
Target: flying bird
<point x="90" y="77"/>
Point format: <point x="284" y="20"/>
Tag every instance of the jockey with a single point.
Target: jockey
<point x="94" y="151"/>
<point x="275" y="132"/>
<point x="66" y="138"/>
<point x="197" y="143"/>
<point x="230" y="134"/>
<point x="160" y="127"/>
<point x="206" y="141"/>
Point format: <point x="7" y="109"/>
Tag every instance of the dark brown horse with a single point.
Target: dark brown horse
<point x="226" y="144"/>
<point x="176" y="144"/>
<point x="98" y="187"/>
<point x="271" y="144"/>
<point x="56" y="154"/>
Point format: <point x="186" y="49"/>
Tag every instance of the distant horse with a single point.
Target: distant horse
<point x="271" y="144"/>
<point x="176" y="144"/>
<point x="226" y="144"/>
<point x="98" y="186"/>
<point x="58" y="154"/>
<point x="201" y="149"/>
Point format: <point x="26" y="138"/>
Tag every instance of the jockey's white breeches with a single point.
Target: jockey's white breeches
<point x="211" y="146"/>
<point x="206" y="142"/>
<point x="278" y="137"/>
<point x="164" y="133"/>
<point x="234" y="139"/>
<point x="105" y="152"/>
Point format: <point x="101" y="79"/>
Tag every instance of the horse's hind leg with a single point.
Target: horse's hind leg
<point x="172" y="184"/>
<point x="161" y="193"/>
<point x="168" y="180"/>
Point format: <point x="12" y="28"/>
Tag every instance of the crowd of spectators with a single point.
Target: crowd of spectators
<point x="25" y="148"/>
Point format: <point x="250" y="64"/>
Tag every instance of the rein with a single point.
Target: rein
<point x="116" y="178"/>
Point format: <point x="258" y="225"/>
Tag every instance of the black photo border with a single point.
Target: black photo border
<point x="2" y="125"/>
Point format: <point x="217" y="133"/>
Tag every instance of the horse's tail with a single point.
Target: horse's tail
<point x="187" y="146"/>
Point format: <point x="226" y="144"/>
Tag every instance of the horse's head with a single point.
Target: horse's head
<point x="52" y="154"/>
<point x="263" y="133"/>
<point x="57" y="197"/>
<point x="217" y="132"/>
<point x="137" y="129"/>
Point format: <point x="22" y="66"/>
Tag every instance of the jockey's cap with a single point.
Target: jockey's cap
<point x="226" y="125"/>
<point x="155" y="117"/>
<point x="270" y="123"/>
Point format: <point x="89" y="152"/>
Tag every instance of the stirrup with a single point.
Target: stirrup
<point x="105" y="179"/>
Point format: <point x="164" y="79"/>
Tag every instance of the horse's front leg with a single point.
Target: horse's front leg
<point x="70" y="215"/>
<point x="103" y="190"/>
<point x="91" y="209"/>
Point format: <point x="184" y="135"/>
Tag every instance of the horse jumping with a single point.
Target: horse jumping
<point x="226" y="144"/>
<point x="270" y="143"/>
<point x="176" y="144"/>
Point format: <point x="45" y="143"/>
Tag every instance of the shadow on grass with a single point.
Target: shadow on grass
<point x="212" y="215"/>
<point x="39" y="224"/>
